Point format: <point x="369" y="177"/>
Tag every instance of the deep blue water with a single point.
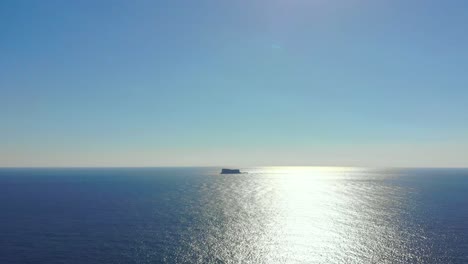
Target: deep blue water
<point x="270" y="215"/>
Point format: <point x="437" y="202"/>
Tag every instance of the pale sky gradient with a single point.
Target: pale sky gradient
<point x="234" y="83"/>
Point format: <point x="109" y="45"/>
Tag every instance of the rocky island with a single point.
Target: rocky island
<point x="230" y="171"/>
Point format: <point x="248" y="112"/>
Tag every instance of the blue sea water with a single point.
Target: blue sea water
<point x="270" y="215"/>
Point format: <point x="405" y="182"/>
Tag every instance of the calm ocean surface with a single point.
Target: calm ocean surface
<point x="270" y="215"/>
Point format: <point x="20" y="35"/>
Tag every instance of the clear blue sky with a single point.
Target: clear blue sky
<point x="244" y="82"/>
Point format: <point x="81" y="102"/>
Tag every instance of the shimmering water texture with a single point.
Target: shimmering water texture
<point x="270" y="215"/>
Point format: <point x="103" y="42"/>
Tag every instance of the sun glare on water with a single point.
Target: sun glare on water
<point x="313" y="214"/>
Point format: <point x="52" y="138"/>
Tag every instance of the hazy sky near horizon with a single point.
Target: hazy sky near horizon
<point x="241" y="83"/>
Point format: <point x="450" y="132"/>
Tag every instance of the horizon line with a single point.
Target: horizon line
<point x="216" y="166"/>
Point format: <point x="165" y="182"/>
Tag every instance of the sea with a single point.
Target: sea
<point x="266" y="215"/>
